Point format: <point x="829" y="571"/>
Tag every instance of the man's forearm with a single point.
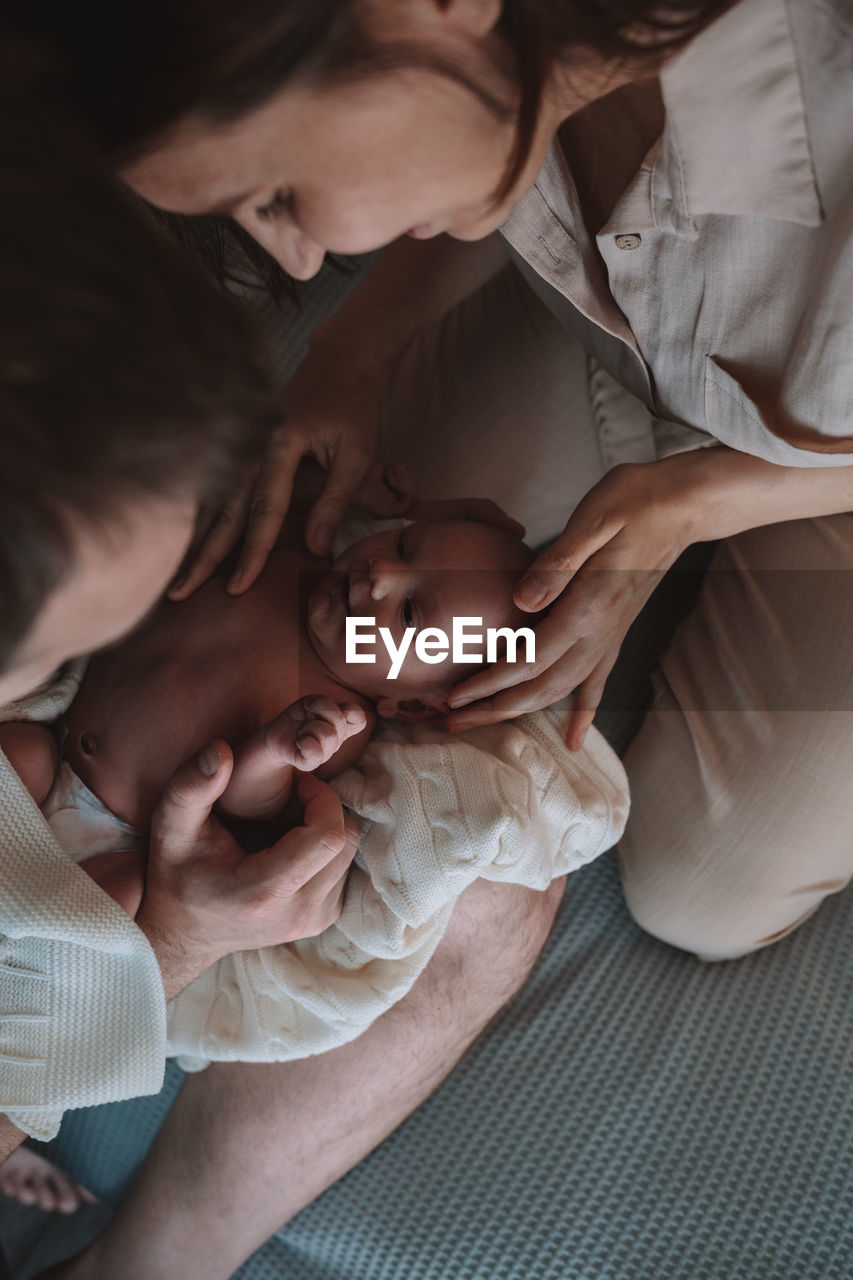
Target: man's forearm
<point x="11" y="1138"/>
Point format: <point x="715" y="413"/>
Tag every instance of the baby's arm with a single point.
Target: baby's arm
<point x="314" y="735"/>
<point x="32" y="752"/>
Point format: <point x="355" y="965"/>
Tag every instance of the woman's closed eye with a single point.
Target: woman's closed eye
<point x="282" y="202"/>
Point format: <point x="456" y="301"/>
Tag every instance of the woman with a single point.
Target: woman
<point x="682" y="267"/>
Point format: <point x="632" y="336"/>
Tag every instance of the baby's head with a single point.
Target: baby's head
<point x="422" y="576"/>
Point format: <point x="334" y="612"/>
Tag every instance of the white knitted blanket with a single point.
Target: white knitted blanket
<point x="437" y="811"/>
<point x="82" y="1012"/>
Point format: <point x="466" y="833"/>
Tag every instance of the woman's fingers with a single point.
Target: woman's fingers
<point x="557" y="633"/>
<point x="223" y="534"/>
<point x="350" y="460"/>
<point x="269" y="504"/>
<point x="532" y="695"/>
<point x="587" y="698"/>
<point x="387" y="490"/>
<point x="590" y="528"/>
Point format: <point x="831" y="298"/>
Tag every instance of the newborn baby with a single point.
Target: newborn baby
<point x="220" y="666"/>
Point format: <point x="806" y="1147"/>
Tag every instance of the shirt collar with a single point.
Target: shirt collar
<point x="735" y="140"/>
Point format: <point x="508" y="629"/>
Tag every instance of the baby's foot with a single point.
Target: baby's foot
<point x="31" y="1179"/>
<point x="304" y="737"/>
<point x="313" y="730"/>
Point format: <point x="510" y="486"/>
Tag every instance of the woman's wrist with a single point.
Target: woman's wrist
<point x="721" y="492"/>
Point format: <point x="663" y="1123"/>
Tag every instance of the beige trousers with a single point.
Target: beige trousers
<point x="742" y="804"/>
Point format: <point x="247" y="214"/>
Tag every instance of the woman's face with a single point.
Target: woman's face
<point x="348" y="168"/>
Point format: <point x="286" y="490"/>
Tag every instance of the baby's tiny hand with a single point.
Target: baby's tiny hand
<point x="314" y="729"/>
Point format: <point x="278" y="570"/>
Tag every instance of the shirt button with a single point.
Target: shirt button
<point x="628" y="242"/>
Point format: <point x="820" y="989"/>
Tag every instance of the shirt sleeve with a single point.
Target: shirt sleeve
<point x="82" y="1008"/>
<point x="815" y="405"/>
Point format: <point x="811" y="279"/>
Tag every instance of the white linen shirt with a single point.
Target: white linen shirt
<point x="725" y="300"/>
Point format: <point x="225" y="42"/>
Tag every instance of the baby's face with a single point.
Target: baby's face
<point x="421" y="576"/>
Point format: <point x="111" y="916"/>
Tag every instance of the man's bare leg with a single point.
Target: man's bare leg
<point x="245" y="1147"/>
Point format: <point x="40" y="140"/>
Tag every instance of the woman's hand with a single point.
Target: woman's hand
<point x="618" y="543"/>
<point x="205" y="897"/>
<point x="331" y="410"/>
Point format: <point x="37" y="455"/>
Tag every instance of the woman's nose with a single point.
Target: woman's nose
<point x="300" y="256"/>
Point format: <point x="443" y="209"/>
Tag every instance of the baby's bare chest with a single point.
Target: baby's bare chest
<point x="211" y="667"/>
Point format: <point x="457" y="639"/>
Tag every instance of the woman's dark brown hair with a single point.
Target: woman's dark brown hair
<point x="137" y="66"/>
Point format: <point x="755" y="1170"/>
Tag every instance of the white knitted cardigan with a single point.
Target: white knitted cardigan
<point x="82" y="1009"/>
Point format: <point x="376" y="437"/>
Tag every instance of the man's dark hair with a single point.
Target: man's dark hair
<point x="124" y="371"/>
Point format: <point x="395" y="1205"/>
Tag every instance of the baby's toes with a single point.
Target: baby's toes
<point x="354" y="720"/>
<point x="32" y="1180"/>
<point x="316" y="743"/>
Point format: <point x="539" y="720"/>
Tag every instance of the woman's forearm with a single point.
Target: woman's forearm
<point x="724" y="492"/>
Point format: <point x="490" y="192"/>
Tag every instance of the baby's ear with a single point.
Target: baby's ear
<point x="410" y="709"/>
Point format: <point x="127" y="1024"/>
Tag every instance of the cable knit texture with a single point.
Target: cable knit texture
<point x="82" y="1013"/>
<point x="506" y="803"/>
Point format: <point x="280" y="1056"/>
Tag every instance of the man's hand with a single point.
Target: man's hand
<point x="205" y="897"/>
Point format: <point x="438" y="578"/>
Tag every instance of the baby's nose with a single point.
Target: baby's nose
<point x="381" y="578"/>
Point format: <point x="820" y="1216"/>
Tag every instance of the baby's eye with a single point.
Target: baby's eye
<point x="408" y="613"/>
<point x="400" y="545"/>
<point x="281" y="201"/>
